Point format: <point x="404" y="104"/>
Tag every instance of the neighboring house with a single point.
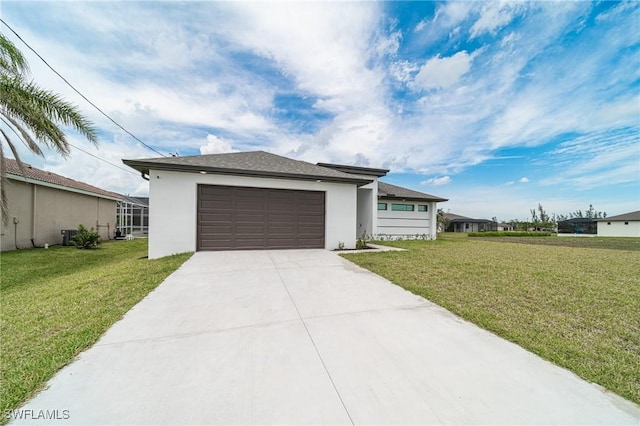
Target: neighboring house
<point x="624" y="225"/>
<point x="404" y="213"/>
<point x="258" y="200"/>
<point x="505" y="227"/>
<point x="578" y="226"/>
<point x="459" y="223"/>
<point x="42" y="204"/>
<point x="132" y="216"/>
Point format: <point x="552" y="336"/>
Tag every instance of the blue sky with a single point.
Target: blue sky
<point x="497" y="106"/>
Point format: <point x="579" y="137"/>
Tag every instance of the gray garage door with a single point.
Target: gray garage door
<point x="238" y="218"/>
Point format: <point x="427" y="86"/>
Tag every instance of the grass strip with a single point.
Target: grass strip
<point x="578" y="306"/>
<point x="56" y="303"/>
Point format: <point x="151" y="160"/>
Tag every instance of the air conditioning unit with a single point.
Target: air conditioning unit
<point x="66" y="236"/>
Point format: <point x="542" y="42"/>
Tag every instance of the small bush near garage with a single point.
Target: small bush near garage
<point x="86" y="238"/>
<point x="56" y="303"/>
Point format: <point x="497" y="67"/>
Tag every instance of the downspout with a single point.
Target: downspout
<point x="33" y="217"/>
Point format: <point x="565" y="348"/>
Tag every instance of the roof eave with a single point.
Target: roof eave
<point x="395" y="197"/>
<point x="144" y="167"/>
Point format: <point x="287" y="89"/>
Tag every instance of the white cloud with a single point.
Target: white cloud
<point x="216" y="145"/>
<point x="439" y="181"/>
<point x="509" y="183"/>
<point x="440" y="72"/>
<point x="495" y="15"/>
<point x="523" y="180"/>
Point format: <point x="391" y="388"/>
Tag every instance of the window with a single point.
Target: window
<point x="382" y="206"/>
<point x="422" y="208"/>
<point x="402" y="207"/>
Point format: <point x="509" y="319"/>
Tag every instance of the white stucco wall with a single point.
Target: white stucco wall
<point x="407" y="224"/>
<point x="173" y="202"/>
<point x="619" y="229"/>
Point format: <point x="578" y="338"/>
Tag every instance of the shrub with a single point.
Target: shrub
<point x="510" y="234"/>
<point x="86" y="238"/>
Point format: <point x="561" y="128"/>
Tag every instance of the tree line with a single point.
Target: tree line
<point x="541" y="220"/>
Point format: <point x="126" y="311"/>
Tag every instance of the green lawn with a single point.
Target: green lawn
<point x="55" y="303"/>
<point x="577" y="306"/>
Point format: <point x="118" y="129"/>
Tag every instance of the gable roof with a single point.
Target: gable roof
<point x="386" y="190"/>
<point x="43" y="177"/>
<point x="452" y="216"/>
<point x="621" y="217"/>
<point x="356" y="170"/>
<point x="254" y="163"/>
<point x="456" y="218"/>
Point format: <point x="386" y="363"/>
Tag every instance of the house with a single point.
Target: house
<point x="259" y="200"/>
<point x="42" y="204"/>
<point x="506" y="227"/>
<point x="459" y="223"/>
<point x="624" y="225"/>
<point x="577" y="226"/>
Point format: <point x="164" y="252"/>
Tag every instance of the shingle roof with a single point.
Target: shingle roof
<point x="387" y="190"/>
<point x="621" y="217"/>
<point x="255" y="163"/>
<point x="11" y="167"/>
<point x="453" y="216"/>
<point x="357" y="170"/>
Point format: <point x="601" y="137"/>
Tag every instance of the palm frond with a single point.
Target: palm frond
<point x="12" y="61"/>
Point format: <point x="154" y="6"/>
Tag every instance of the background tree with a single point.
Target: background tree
<point x="443" y="222"/>
<point x="31" y="115"/>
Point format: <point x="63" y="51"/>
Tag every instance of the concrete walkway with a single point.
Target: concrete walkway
<point x="305" y="337"/>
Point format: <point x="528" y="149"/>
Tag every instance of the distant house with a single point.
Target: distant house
<point x="459" y="223"/>
<point x="42" y="204"/>
<point x="624" y="225"/>
<point x="506" y="227"/>
<point x="580" y="226"/>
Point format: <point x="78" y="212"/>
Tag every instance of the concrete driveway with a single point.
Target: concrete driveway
<point x="305" y="337"/>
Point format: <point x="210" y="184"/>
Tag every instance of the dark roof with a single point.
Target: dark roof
<point x="255" y="163"/>
<point x="386" y="190"/>
<point x="452" y="216"/>
<point x="11" y="167"/>
<point x="139" y="201"/>
<point x="621" y="217"/>
<point x="469" y="220"/>
<point x="368" y="171"/>
<point x="456" y="218"/>
<point x="578" y="220"/>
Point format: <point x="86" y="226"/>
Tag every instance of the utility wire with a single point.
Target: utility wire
<point x="77" y="91"/>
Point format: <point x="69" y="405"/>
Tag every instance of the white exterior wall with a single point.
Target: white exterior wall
<point x="173" y="208"/>
<point x="619" y="229"/>
<point x="403" y="224"/>
<point x="367" y="222"/>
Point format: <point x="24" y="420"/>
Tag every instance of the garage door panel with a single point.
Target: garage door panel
<point x="281" y="218"/>
<point x="236" y="218"/>
<point x="248" y="219"/>
<point x="216" y="205"/>
<point x="211" y="217"/>
<point x="244" y="230"/>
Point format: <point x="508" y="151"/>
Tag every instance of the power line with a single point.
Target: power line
<point x="77" y="91"/>
<point x="70" y="144"/>
<point x="102" y="159"/>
